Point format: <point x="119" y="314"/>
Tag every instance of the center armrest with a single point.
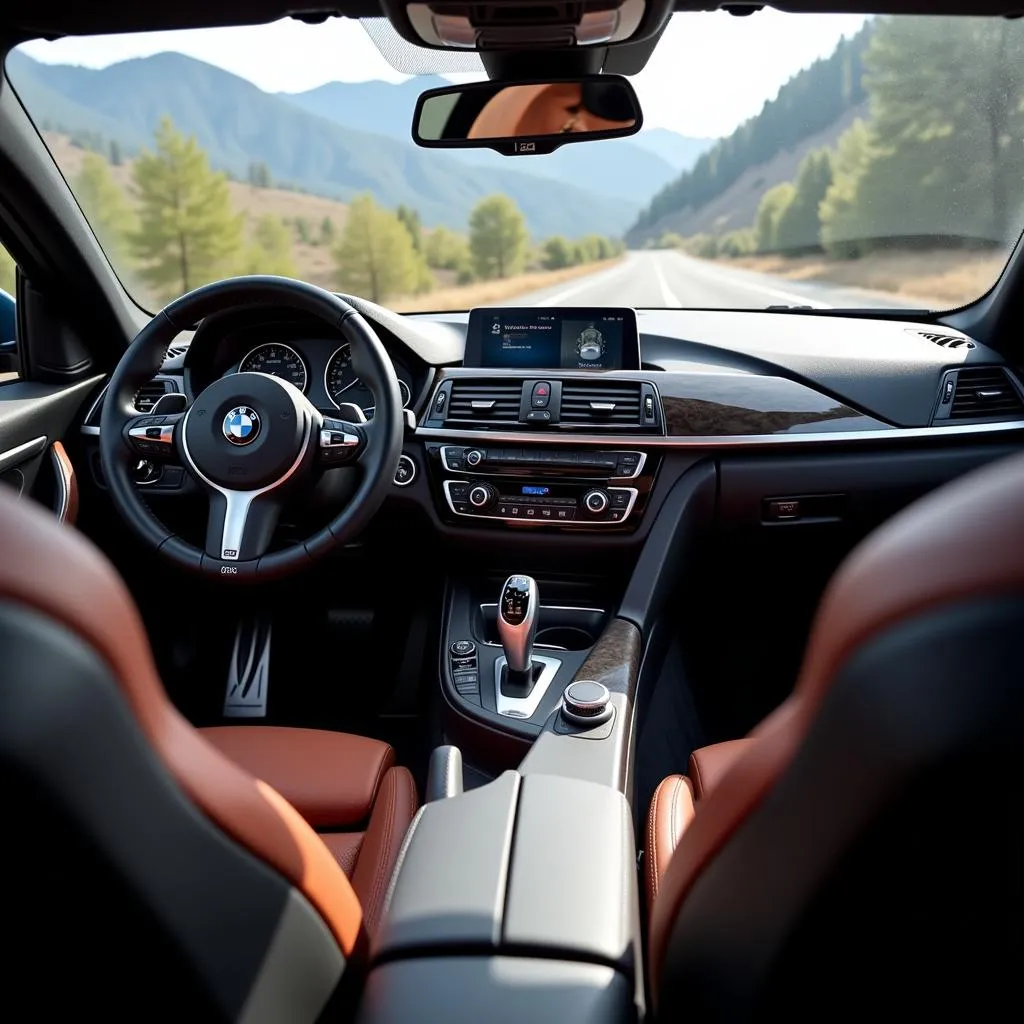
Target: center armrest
<point x="542" y="866"/>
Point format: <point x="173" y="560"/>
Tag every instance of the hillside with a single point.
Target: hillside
<point x="813" y="108"/>
<point x="626" y="169"/>
<point x="736" y="206"/>
<point x="313" y="263"/>
<point x="238" y="124"/>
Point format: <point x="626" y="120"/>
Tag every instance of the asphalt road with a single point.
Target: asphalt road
<point x="656" y="278"/>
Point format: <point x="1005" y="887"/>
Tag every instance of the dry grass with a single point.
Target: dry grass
<point x="313" y="263"/>
<point x="939" y="279"/>
<point x="482" y="293"/>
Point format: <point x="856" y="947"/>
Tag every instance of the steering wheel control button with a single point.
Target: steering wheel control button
<point x="242" y="425"/>
<point x="406" y="471"/>
<point x="586" y="702"/>
<point x="541" y="395"/>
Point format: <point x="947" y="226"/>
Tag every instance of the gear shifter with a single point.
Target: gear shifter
<point x="517" y="625"/>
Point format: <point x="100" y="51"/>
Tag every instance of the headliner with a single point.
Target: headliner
<point x="32" y="18"/>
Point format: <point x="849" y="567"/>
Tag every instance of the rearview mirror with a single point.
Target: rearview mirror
<point x="528" y="117"/>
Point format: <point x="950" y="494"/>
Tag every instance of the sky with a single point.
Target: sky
<point x="708" y="74"/>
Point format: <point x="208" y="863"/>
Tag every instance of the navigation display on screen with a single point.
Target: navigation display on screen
<point x="522" y="338"/>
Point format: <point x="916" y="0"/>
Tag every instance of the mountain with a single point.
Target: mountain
<point x="236" y="123"/>
<point x="621" y="168"/>
<point x="816" y="104"/>
<point x="681" y="151"/>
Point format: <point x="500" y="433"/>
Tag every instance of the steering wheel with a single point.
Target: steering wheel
<point x="250" y="440"/>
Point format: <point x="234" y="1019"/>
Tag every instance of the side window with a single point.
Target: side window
<point x="8" y="321"/>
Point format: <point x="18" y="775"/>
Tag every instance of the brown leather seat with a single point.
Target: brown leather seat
<point x="840" y="859"/>
<point x="348" y="789"/>
<point x="154" y="853"/>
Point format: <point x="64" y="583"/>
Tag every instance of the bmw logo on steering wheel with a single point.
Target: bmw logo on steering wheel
<point x="241" y="425"/>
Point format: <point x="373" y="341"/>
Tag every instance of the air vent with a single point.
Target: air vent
<point x="985" y="392"/>
<point x="146" y="397"/>
<point x="485" y="402"/>
<point x="955" y="341"/>
<point x="601" y="403"/>
<point x="178" y="348"/>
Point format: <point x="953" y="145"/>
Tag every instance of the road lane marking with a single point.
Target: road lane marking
<point x="586" y="282"/>
<point x="667" y="295"/>
<point x="716" y="274"/>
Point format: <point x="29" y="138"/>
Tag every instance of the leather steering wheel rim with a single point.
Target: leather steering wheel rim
<point x="144" y="358"/>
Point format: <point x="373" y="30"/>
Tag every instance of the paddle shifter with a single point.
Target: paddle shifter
<point x="518" y="607"/>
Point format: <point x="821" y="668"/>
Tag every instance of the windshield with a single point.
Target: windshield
<point x="785" y="160"/>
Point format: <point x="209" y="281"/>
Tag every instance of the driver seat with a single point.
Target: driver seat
<point x="154" y="861"/>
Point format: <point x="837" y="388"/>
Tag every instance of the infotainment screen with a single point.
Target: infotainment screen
<point x="563" y="338"/>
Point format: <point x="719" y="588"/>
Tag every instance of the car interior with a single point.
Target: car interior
<point x="365" y="665"/>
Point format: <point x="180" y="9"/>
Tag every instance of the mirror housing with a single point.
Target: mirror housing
<point x="526" y="118"/>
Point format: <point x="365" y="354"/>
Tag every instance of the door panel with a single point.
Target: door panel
<point x="33" y="419"/>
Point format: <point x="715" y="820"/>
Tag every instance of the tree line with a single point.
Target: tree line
<point x="808" y="103"/>
<point x="175" y="227"/>
<point x="937" y="163"/>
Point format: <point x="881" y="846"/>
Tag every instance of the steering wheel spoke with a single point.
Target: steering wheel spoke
<point x="240" y="524"/>
<point x="153" y="437"/>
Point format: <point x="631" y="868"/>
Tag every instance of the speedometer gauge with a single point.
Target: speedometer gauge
<point x="343" y="385"/>
<point x="279" y="361"/>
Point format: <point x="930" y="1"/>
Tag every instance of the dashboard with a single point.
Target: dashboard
<point x="804" y="417"/>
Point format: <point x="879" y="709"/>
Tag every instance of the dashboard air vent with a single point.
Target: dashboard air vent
<point x="601" y="403"/>
<point x="985" y="392"/>
<point x="946" y="340"/>
<point x="177" y="348"/>
<point x="485" y="402"/>
<point x="148" y="395"/>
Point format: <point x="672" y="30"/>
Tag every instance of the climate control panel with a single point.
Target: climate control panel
<point x="541" y="503"/>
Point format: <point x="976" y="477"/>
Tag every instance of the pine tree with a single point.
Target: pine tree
<point x="188" y="233"/>
<point x="105" y="206"/>
<point x="270" y="251"/>
<point x="799" y="224"/>
<point x="375" y="256"/>
<point x="769" y="211"/>
<point x="497" y="237"/>
<point x="411" y="219"/>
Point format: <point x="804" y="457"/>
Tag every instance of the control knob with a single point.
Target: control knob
<point x="586" y="702"/>
<point x="596" y="501"/>
<point x="482" y="495"/>
<point x="474" y="457"/>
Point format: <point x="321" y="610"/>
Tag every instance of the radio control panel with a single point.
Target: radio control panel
<point x="554" y="486"/>
<point x="621" y="465"/>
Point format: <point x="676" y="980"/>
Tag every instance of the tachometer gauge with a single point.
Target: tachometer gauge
<point x="343" y="385"/>
<point x="279" y="361"/>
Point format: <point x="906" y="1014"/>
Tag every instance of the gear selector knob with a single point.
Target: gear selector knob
<point x="517" y="621"/>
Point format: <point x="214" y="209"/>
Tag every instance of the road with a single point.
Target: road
<point x="654" y="278"/>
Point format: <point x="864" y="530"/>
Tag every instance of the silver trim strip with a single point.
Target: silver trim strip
<point x="833" y="437"/>
<point x="63" y="478"/>
<point x="633" y="494"/>
<point x="21" y="453"/>
<point x="525" y="707"/>
<point x="166" y="435"/>
<point x="238" y="502"/>
<point x="496" y="471"/>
